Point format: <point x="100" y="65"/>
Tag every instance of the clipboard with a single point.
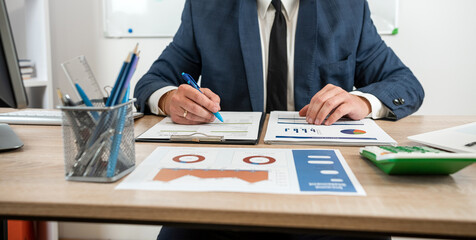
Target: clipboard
<point x="186" y="134"/>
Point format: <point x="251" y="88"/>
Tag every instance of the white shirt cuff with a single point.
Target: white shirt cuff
<point x="154" y="99"/>
<point x="379" y="110"/>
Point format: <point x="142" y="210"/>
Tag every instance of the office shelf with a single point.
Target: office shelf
<point x="29" y="20"/>
<point x="35" y="82"/>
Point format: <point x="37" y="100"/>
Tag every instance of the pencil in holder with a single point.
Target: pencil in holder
<point x="98" y="141"/>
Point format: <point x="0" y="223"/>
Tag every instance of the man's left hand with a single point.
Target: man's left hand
<point x="335" y="102"/>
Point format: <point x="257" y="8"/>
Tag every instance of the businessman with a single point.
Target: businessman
<point x="319" y="57"/>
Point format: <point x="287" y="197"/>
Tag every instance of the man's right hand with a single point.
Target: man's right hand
<point x="186" y="105"/>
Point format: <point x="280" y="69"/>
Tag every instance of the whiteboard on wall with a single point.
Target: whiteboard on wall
<point x="384" y="14"/>
<point x="161" y="18"/>
<point x="142" y="18"/>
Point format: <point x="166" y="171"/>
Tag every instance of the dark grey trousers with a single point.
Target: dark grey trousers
<point x="173" y="233"/>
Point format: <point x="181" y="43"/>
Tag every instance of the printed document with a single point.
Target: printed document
<point x="290" y="128"/>
<point x="236" y="126"/>
<point x="460" y="139"/>
<point x="256" y="170"/>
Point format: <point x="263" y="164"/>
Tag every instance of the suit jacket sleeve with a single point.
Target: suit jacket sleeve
<point x="381" y="73"/>
<point x="180" y="56"/>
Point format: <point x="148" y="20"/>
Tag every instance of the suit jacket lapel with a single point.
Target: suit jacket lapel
<point x="251" y="50"/>
<point x="305" y="49"/>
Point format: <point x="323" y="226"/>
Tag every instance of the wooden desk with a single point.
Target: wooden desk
<point x="32" y="185"/>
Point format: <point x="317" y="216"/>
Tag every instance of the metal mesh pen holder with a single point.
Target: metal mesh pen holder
<point x="98" y="141"/>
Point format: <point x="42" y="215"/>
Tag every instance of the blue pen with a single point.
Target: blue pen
<point x="120" y="84"/>
<point x="194" y="84"/>
<point x="116" y="141"/>
<point x="86" y="100"/>
<point x="121" y="81"/>
<point x="128" y="79"/>
<point x="116" y="84"/>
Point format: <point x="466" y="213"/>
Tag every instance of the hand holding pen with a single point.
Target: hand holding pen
<point x="191" y="105"/>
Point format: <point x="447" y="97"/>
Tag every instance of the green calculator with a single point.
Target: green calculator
<point x="416" y="159"/>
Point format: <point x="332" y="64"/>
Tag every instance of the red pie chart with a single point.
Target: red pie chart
<point x="189" y="158"/>
<point x="258" y="160"/>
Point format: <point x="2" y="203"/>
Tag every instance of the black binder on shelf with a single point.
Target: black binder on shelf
<point x="201" y="137"/>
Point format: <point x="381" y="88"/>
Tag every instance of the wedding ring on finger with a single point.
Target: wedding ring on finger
<point x="185" y="114"/>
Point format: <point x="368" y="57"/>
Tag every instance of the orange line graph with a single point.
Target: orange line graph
<point x="169" y="174"/>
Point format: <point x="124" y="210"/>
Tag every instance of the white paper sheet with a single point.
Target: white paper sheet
<point x="290" y="128"/>
<point x="236" y="126"/>
<point x="258" y="170"/>
<point x="460" y="139"/>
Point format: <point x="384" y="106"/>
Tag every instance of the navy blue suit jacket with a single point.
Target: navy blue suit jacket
<point x="336" y="42"/>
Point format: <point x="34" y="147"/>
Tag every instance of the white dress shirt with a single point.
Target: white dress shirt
<point x="266" y="13"/>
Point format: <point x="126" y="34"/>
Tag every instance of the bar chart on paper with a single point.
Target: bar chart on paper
<point x="289" y="127"/>
<point x="281" y="171"/>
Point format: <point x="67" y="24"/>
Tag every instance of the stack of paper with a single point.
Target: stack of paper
<point x="27" y="69"/>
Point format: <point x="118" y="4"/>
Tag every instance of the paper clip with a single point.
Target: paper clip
<point x="196" y="137"/>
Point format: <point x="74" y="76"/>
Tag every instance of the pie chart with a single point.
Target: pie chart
<point x="259" y="160"/>
<point x="353" y="131"/>
<point x="189" y="158"/>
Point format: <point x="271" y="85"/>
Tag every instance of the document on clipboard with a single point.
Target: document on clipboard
<point x="238" y="128"/>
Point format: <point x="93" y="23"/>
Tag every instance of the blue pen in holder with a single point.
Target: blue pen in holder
<point x="98" y="141"/>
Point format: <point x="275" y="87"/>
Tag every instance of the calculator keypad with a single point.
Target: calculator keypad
<point x="409" y="149"/>
<point x="396" y="152"/>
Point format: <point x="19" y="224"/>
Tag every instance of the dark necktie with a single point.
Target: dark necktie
<point x="276" y="87"/>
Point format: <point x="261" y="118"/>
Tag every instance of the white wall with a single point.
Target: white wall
<point x="437" y="40"/>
